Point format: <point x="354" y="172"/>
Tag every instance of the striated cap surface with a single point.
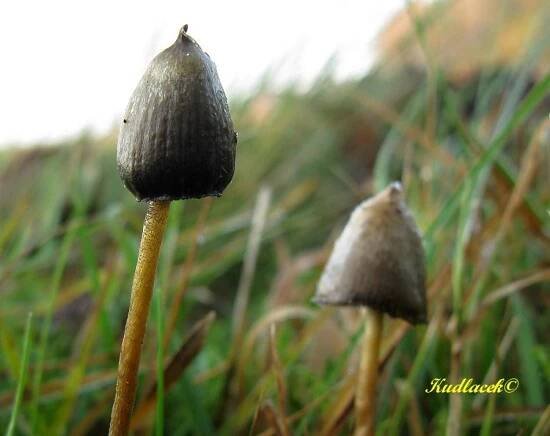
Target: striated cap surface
<point x="176" y="140"/>
<point x="378" y="260"/>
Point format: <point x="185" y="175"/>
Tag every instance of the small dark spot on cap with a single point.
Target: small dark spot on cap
<point x="124" y="120"/>
<point x="185" y="27"/>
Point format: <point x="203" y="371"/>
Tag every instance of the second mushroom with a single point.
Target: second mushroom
<point x="377" y="264"/>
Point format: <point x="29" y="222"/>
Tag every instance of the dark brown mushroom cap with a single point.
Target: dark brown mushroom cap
<point x="177" y="139"/>
<point x="378" y="260"/>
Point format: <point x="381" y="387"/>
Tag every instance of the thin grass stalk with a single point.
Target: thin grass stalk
<point x="159" y="420"/>
<point x="490" y="376"/>
<point x="420" y="26"/>
<point x="46" y="325"/>
<point x="277" y="369"/>
<point x="10" y="354"/>
<point x="81" y="353"/>
<point x="259" y="218"/>
<point x="173" y="370"/>
<point x="421" y="356"/>
<point x="526" y="175"/>
<point x="454" y="419"/>
<point x="22" y="377"/>
<point x="543" y="425"/>
<point x="243" y="292"/>
<point x="186" y="272"/>
<point x="526" y="107"/>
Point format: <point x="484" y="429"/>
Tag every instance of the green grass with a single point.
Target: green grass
<point x="22" y="377"/>
<point x="477" y="181"/>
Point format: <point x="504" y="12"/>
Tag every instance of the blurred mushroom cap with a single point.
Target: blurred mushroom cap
<point x="378" y="260"/>
<point x="177" y="140"/>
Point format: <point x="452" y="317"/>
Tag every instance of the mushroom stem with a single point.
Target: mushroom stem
<point x="365" y="394"/>
<point x="142" y="289"/>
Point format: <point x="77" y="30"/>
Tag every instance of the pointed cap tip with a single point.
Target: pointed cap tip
<point x="396" y="187"/>
<point x="183" y="30"/>
<point x="394" y="191"/>
<point x="184" y="36"/>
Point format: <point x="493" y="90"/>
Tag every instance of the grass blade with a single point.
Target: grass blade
<point x="46" y="324"/>
<point x="159" y="419"/>
<point x="172" y="372"/>
<point x="22" y="376"/>
<point x="530" y="374"/>
<point x="529" y="103"/>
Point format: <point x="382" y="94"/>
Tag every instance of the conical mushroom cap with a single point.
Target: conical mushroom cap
<point x="378" y="260"/>
<point x="177" y="140"/>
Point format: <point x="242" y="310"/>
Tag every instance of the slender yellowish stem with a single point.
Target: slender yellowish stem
<point x="140" y="300"/>
<point x="365" y="394"/>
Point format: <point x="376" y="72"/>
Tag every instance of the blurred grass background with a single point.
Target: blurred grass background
<point x="456" y="108"/>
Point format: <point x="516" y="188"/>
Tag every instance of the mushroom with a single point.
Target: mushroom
<point x="176" y="141"/>
<point x="378" y="264"/>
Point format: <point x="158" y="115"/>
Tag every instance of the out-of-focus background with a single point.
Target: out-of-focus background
<point x="70" y="66"/>
<point x="332" y="103"/>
